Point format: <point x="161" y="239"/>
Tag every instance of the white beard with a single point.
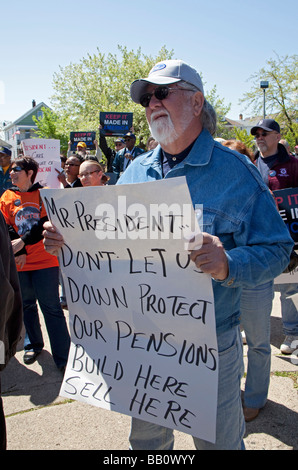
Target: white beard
<point x="163" y="129"/>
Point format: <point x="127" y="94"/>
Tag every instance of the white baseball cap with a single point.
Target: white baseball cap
<point x="166" y="73"/>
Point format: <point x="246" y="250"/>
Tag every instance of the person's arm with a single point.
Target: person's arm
<point x="107" y="151"/>
<point x="211" y="257"/>
<point x="68" y="149"/>
<point x="61" y="177"/>
<point x="262" y="249"/>
<point x="34" y="235"/>
<point x="116" y="166"/>
<point x="98" y="153"/>
<point x="17" y="243"/>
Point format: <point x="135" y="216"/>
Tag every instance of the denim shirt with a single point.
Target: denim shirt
<point x="237" y="208"/>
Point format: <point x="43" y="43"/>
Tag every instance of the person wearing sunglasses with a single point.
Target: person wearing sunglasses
<point x="279" y="170"/>
<point x="38" y="270"/>
<point x="237" y="249"/>
<point x="69" y="176"/>
<point x="126" y="155"/>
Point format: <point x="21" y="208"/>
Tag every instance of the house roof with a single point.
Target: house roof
<point x="248" y="122"/>
<point x="3" y="143"/>
<point x="26" y="119"/>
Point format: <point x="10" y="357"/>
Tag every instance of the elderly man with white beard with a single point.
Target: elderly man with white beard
<point x="239" y="246"/>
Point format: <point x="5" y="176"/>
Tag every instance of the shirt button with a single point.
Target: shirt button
<point x="231" y="282"/>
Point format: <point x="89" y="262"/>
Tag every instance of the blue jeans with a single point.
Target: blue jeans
<point x="42" y="285"/>
<point x="230" y="426"/>
<point x="255" y="307"/>
<point x="289" y="307"/>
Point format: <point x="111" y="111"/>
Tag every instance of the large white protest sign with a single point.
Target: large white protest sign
<point x="47" y="153"/>
<point x="141" y="314"/>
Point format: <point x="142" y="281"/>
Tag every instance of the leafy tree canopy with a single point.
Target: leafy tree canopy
<point x="281" y="97"/>
<point x="101" y="82"/>
<point x="51" y="126"/>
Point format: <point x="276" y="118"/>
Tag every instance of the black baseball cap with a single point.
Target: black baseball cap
<point x="268" y="125"/>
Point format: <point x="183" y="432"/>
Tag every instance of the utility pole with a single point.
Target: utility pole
<point x="264" y="84"/>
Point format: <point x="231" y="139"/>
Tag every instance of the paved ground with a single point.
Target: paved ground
<point x="38" y="419"/>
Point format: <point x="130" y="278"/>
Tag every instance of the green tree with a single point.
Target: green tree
<point x="221" y="109"/>
<point x="101" y="82"/>
<point x="50" y="126"/>
<point x="281" y="96"/>
<point x="243" y="136"/>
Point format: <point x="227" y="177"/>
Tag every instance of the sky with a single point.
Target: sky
<point x="226" y="41"/>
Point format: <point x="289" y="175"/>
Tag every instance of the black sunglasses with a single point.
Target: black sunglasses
<point x="160" y="93"/>
<point x="16" y="169"/>
<point x="262" y="134"/>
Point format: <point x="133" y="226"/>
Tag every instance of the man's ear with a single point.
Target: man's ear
<point x="198" y="102"/>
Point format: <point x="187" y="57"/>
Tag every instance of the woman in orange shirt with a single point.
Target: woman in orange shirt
<point x="38" y="271"/>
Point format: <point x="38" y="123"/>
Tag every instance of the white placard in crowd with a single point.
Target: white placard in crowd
<point x="47" y="153"/>
<point x="141" y="315"/>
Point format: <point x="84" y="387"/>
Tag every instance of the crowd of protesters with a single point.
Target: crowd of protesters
<point x="182" y="124"/>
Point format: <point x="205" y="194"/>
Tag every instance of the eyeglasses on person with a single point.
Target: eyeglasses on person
<point x="160" y="93"/>
<point x="71" y="164"/>
<point x="263" y="134"/>
<point x="88" y="173"/>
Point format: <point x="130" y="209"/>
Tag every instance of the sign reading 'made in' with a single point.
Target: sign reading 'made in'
<point x="86" y="137"/>
<point x="115" y="124"/>
<point x="141" y="314"/>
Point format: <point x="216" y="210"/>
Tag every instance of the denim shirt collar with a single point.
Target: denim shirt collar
<point x="199" y="155"/>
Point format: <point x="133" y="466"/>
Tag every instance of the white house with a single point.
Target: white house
<point x="242" y="124"/>
<point x="23" y="128"/>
